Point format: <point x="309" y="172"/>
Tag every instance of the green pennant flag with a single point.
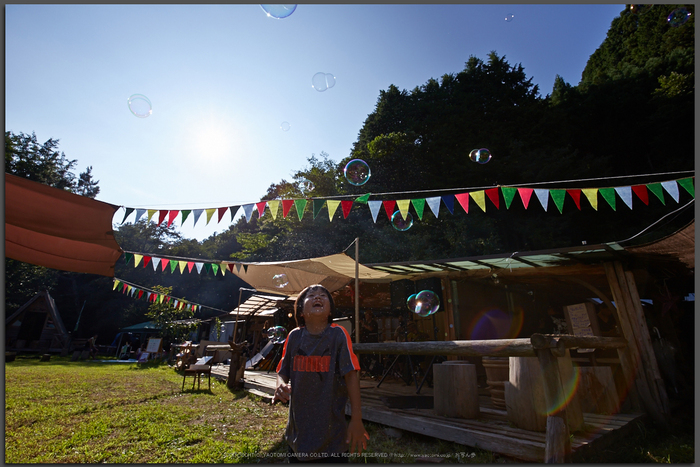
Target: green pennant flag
<point x="363" y="199"/>
<point x="173" y="265"/>
<point x="185" y="213"/>
<point x="207" y="267"/>
<point x="127" y="257"/>
<point x="687" y="183"/>
<point x="558" y="197"/>
<point x="215" y="268"/>
<point x="419" y="206"/>
<point x="128" y="211"/>
<point x="508" y="194"/>
<point x="300" y="204"/>
<point x="658" y="190"/>
<point x="318" y="204"/>
<point x="608" y="195"/>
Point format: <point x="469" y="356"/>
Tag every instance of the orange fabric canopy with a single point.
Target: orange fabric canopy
<point x="57" y="229"/>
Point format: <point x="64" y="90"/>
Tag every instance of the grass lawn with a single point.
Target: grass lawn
<point x="89" y="412"/>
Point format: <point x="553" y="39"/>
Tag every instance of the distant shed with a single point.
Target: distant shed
<point x="36" y="326"/>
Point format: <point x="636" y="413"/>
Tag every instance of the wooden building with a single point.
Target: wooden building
<point x="36" y="327"/>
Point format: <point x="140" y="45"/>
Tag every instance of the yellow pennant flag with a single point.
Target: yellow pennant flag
<point x="222" y="266"/>
<point x="592" y="195"/>
<point x="160" y="298"/>
<point x="115" y="284"/>
<point x="332" y="205"/>
<point x="403" y="205"/>
<point x="274" y="206"/>
<point x="137" y="259"/>
<point x="210" y="212"/>
<point x="183" y="265"/>
<point x="150" y="213"/>
<point x="478" y="197"/>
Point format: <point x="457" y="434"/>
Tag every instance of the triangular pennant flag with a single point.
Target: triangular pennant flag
<point x="543" y="197"/>
<point x="222" y="266"/>
<point x="332" y="205"/>
<point x="479" y="198"/>
<point x="164" y="263"/>
<point x="160" y="298"/>
<point x="273" y="206"/>
<point x="300" y="204"/>
<point x="403" y="205"/>
<point x="642" y="193"/>
<point x="389" y="207"/>
<point x="374" y="207"/>
<point x="140" y="294"/>
<point x="185" y="213"/>
<point x="190" y="264"/>
<point x="115" y="284"/>
<point x="183" y="265"/>
<point x="238" y="267"/>
<point x="658" y="191"/>
<point x="124" y="288"/>
<point x="592" y="196"/>
<point x="129" y="289"/>
<point x="173" y="266"/>
<point x="245" y="268"/>
<point x="127" y="257"/>
<point x="508" y="195"/>
<point x="148" y="296"/>
<point x="139" y="214"/>
<point x="463" y="199"/>
<point x="419" y="206"/>
<point x="608" y="195"/>
<point x="234" y="211"/>
<point x="687" y="183"/>
<point x="286" y="206"/>
<point x="449" y="201"/>
<point x="199" y="267"/>
<point x="576" y="196"/>
<point x="128" y="211"/>
<point x="221" y="212"/>
<point x="625" y="193"/>
<point x="161" y="215"/>
<point x="172" y="214"/>
<point x="175" y="303"/>
<point x="434" y="205"/>
<point x="672" y="189"/>
<point x="197" y="213"/>
<point x="156" y="262"/>
<point x="347" y="206"/>
<point x="137" y="259"/>
<point x="492" y="193"/>
<point x="150" y="214"/>
<point x="317" y="205"/>
<point x="248" y="210"/>
<point x="261" y="208"/>
<point x="215" y="268"/>
<point x="558" y="197"/>
<point x="207" y="267"/>
<point x="363" y="199"/>
<point x="210" y="212"/>
<point x="229" y="266"/>
<point x="525" y="194"/>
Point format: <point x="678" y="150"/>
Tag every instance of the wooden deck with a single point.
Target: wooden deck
<point x="491" y="431"/>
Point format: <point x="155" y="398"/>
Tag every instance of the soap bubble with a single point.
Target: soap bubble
<point x="400" y="223"/>
<point x="306" y="185"/>
<point x="285" y="126"/>
<point x="280" y="280"/>
<point x="411" y="303"/>
<point x="357" y="172"/>
<point x="278" y="11"/>
<point x="322" y="81"/>
<point x="277" y="334"/>
<point x="482" y="156"/>
<point x="509" y="17"/>
<point x="638" y="9"/>
<point x="140" y="105"/>
<point x="427" y="303"/>
<point x="678" y="17"/>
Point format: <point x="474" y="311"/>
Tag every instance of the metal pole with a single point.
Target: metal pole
<point x="357" y="290"/>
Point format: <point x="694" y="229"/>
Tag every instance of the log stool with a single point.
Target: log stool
<point x="455" y="390"/>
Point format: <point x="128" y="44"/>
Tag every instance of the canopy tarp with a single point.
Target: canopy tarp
<point x="51" y="227"/>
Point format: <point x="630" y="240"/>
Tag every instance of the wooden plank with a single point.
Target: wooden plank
<point x="494" y="347"/>
<point x="558" y="445"/>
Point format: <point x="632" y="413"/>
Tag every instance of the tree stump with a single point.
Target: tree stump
<point x="237" y="367"/>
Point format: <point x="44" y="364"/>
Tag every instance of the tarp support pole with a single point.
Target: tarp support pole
<point x="357" y="290"/>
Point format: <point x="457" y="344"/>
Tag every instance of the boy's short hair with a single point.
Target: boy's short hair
<point x="299" y="304"/>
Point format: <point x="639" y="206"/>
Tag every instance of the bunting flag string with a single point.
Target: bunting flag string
<point x="183" y="265"/>
<point x="661" y="190"/>
<point x="138" y="292"/>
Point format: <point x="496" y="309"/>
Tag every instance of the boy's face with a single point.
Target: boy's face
<point x="316" y="304"/>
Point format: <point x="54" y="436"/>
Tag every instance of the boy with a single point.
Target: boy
<point x="321" y="370"/>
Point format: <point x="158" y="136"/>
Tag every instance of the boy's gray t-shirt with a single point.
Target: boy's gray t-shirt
<point x="315" y="367"/>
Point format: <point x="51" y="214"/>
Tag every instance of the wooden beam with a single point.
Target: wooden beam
<point x="566" y="341"/>
<point x="557" y="443"/>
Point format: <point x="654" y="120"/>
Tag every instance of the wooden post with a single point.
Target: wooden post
<point x="357" y="290"/>
<point x="557" y="448"/>
<point x="449" y="308"/>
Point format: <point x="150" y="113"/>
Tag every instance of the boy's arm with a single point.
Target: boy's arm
<point x="282" y="390"/>
<point x="357" y="435"/>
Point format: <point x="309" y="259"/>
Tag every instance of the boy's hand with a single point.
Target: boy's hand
<point x="357" y="436"/>
<point x="282" y="393"/>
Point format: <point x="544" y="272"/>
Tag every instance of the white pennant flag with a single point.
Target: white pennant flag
<point x="199" y="267"/>
<point x="625" y="192"/>
<point x="248" y="209"/>
<point x="139" y="213"/>
<point x="197" y="213"/>
<point x="155" y="261"/>
<point x="374" y="207"/>
<point x="672" y="189"/>
<point x="434" y="204"/>
<point x="543" y="196"/>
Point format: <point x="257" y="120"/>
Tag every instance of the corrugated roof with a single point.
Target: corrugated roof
<point x="260" y="305"/>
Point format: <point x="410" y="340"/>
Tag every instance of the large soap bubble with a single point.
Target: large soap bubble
<point x="285" y="126"/>
<point x="678" y="17"/>
<point x="280" y="281"/>
<point x="306" y="185"/>
<point x="277" y="334"/>
<point x="427" y="303"/>
<point x="322" y="81"/>
<point x="482" y="156"/>
<point x="278" y="11"/>
<point x="357" y="172"/>
<point x="401" y="224"/>
<point x="140" y="105"/>
<point x="411" y="303"/>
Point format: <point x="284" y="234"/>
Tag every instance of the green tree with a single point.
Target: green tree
<point x="169" y="319"/>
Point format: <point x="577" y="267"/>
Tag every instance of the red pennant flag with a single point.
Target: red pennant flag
<point x="161" y="216"/>
<point x="389" y="207"/>
<point x="463" y="199"/>
<point x="642" y="193"/>
<point x="146" y="260"/>
<point x="167" y="299"/>
<point x="576" y="196"/>
<point x="124" y="288"/>
<point x="230" y="266"/>
<point x="525" y="194"/>
<point x="140" y="294"/>
<point x="171" y="216"/>
<point x="261" y="208"/>
<point x="222" y="211"/>
<point x="190" y="265"/>
<point x="492" y="193"/>
<point x="286" y="206"/>
<point x="347" y="206"/>
<point x="164" y="262"/>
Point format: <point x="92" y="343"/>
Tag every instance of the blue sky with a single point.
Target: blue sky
<point x="223" y="78"/>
